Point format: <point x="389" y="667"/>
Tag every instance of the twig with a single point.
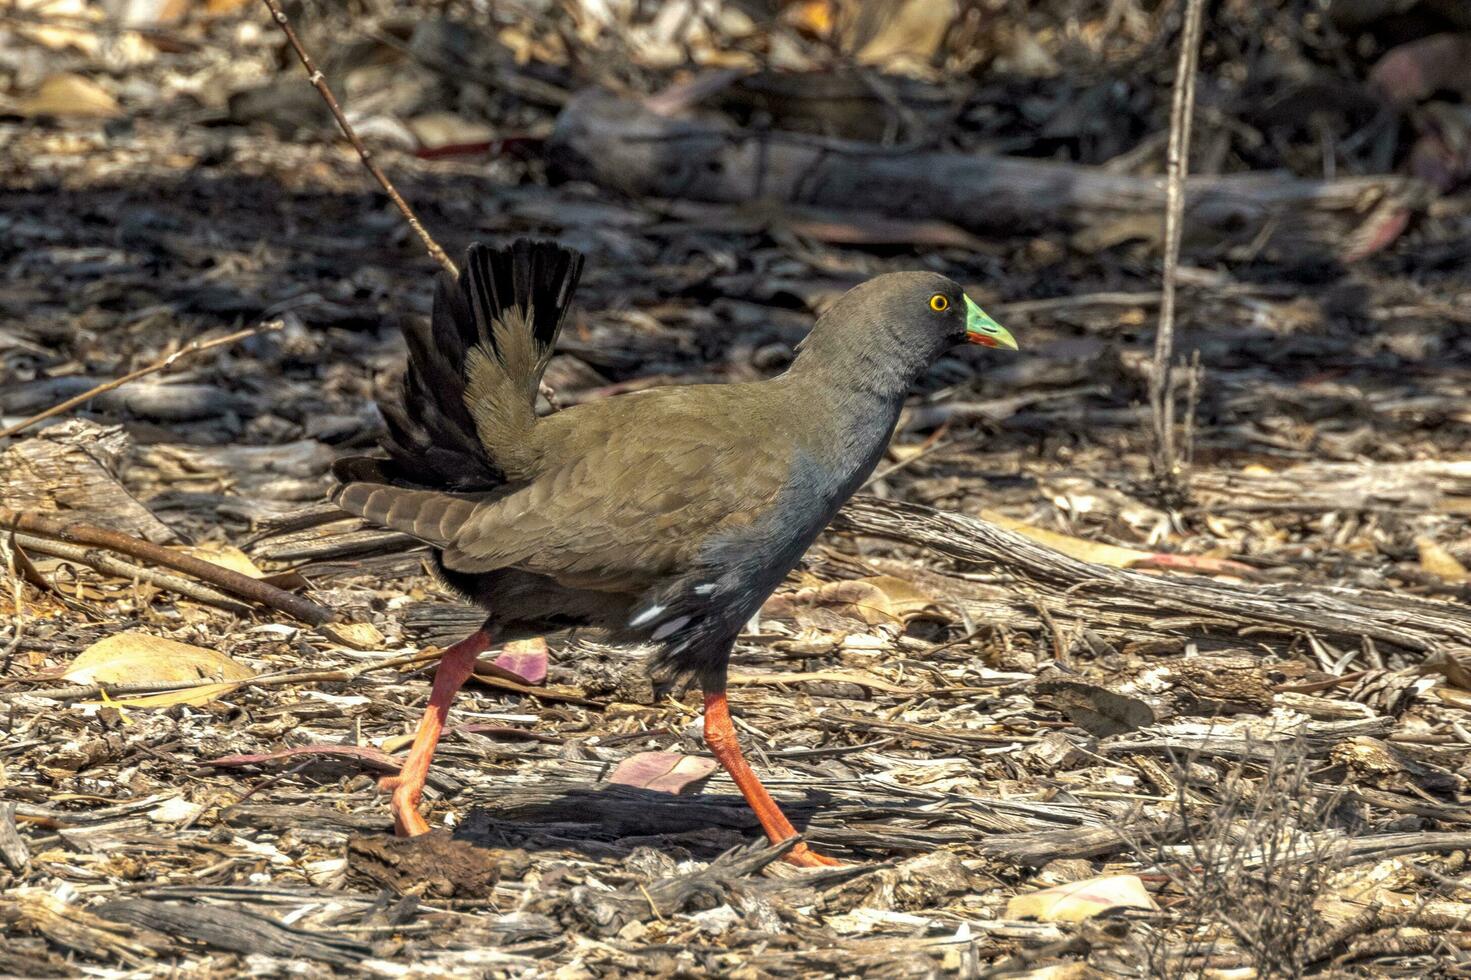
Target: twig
<point x="226" y="579"/>
<point x="1161" y="380"/>
<point x="319" y="82"/>
<point x="189" y="349"/>
<point x="74" y="691"/>
<point x="109" y="565"/>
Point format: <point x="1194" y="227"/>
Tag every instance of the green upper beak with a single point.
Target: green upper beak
<point x="981" y="329"/>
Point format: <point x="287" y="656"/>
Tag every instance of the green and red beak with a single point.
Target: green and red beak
<point x="981" y="329"/>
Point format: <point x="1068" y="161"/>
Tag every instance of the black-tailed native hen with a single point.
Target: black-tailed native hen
<point x="665" y="516"/>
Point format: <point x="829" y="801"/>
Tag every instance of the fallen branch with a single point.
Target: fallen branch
<point x="226" y="579"/>
<point x="622" y="145"/>
<point x="108" y="565"/>
<point x="1403" y="621"/>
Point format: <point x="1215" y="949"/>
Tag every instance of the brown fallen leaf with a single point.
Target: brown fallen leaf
<point x="1096" y="710"/>
<point x="1079" y="900"/>
<point x="374" y="757"/>
<point x="858" y="677"/>
<point x="875" y="600"/>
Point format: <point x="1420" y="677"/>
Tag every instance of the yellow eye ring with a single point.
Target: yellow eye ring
<point x="939" y="303"/>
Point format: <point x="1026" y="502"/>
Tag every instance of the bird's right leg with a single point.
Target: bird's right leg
<point x="720" y="735"/>
<point x="455" y="667"/>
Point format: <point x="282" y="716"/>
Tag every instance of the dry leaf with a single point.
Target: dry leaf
<point x="875" y="600"/>
<point x="523" y="661"/>
<point x="1116" y="556"/>
<point x="139" y="658"/>
<point x="1094" y="709"/>
<point x="858" y="677"/>
<point x="356" y="636"/>
<point x="1079" y="900"/>
<point x="225" y="556"/>
<point x="1111" y="555"/>
<point x="375" y="757"/>
<point x="66" y="94"/>
<point x="666" y="772"/>
<point x="1441" y="563"/>
<point x="203" y="694"/>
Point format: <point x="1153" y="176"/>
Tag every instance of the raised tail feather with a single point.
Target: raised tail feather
<point x="464" y="418"/>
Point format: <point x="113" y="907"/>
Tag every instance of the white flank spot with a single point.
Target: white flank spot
<point x="647" y="616"/>
<point x="670" y="628"/>
<point x="705" y="589"/>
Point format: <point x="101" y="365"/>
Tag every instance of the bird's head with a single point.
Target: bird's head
<point x="903" y="320"/>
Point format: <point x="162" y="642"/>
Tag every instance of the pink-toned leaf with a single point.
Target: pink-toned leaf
<point x="1418" y="69"/>
<point x="1379" y="230"/>
<point x="366" y="753"/>
<point x="1201" y="564"/>
<point x="523" y="661"/>
<point x="667" y="772"/>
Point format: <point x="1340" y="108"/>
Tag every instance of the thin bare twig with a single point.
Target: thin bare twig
<point x="1161" y="381"/>
<point x="225" y="579"/>
<point x="109" y="565"/>
<point x="319" y="82"/>
<point x="188" y="350"/>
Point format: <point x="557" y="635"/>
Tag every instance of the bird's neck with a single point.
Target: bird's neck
<point x="873" y="372"/>
<point x="848" y="404"/>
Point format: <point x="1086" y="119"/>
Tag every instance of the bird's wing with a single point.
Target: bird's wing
<point x="640" y="484"/>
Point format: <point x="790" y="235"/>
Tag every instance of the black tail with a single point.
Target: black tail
<point x="431" y="440"/>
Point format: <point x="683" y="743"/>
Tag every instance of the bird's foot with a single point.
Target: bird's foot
<point x="805" y="857"/>
<point x="407" y="822"/>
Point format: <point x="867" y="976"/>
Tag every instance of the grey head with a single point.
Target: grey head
<point x="883" y="334"/>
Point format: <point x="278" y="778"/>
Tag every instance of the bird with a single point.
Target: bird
<point x="665" y="517"/>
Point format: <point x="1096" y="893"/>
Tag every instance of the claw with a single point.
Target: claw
<point x="805" y="857"/>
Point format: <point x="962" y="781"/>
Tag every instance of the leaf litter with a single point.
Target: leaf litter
<point x="1237" y="731"/>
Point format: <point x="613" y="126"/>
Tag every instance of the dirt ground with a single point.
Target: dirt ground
<point x="1073" y="722"/>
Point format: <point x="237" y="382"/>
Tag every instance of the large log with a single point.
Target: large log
<point x="624" y="146"/>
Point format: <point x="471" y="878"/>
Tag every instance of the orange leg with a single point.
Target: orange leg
<point x="454" y="669"/>
<point x="720" y="735"/>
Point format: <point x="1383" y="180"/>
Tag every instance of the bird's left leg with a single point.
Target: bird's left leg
<point x="455" y="667"/>
<point x="720" y="735"/>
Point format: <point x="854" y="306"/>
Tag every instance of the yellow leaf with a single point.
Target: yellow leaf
<point x="358" y="636"/>
<point x="903" y="34"/>
<point x="1079" y="900"/>
<point x="66" y="94"/>
<point x="203" y="694"/>
<point x="138" y="658"/>
<point x="1103" y="554"/>
<point x="226" y="556"/>
<point x="1453" y="697"/>
<point x="1439" y="562"/>
<point x="816" y="17"/>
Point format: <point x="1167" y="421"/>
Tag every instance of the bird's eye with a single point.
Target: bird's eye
<point x="939" y="303"/>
